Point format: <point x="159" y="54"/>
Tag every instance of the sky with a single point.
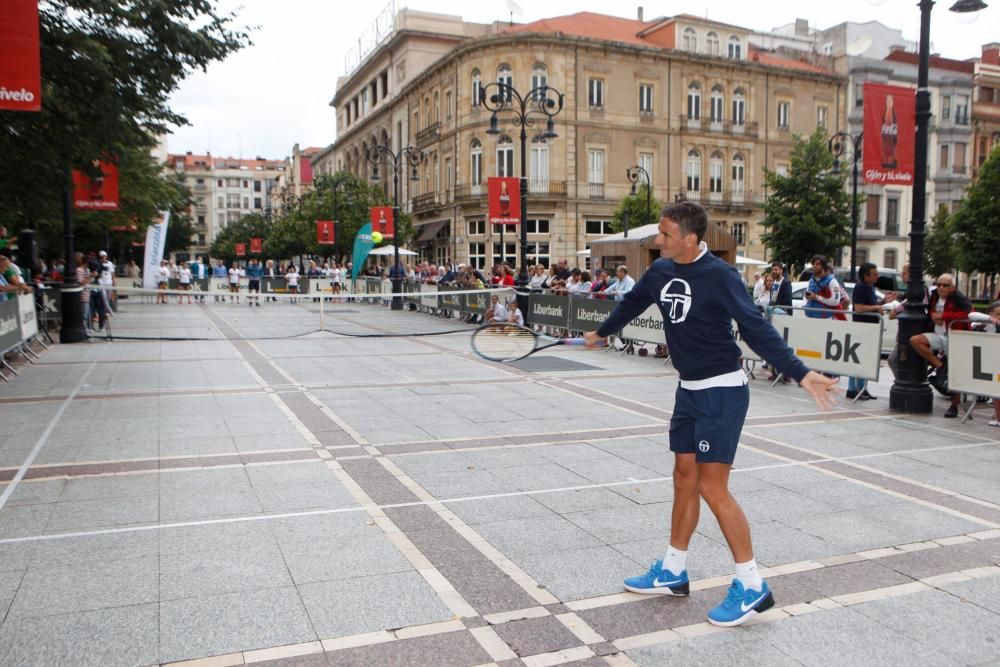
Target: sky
<point x="264" y="99"/>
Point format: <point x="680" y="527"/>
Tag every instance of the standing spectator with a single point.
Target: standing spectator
<point x="162" y="281"/>
<point x="106" y="281"/>
<point x="764" y="298"/>
<point x="184" y="281"/>
<point x="234" y="282"/>
<point x="84" y="278"/>
<point x="12" y="274"/>
<point x="758" y="286"/>
<point x="623" y="285"/>
<point x="293" y="281"/>
<point x="824" y="294"/>
<point x="132" y="270"/>
<point x="562" y="270"/>
<point x="600" y="285"/>
<point x="336" y="278"/>
<point x="947" y="305"/>
<point x="537" y="281"/>
<point x="199" y="271"/>
<point x="866" y="307"/>
<point x="781" y="289"/>
<point x="254" y="273"/>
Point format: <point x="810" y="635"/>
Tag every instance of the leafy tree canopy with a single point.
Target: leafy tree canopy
<point x="940" y="249"/>
<point x="639" y="213"/>
<point x="976" y="224"/>
<point x="808" y="211"/>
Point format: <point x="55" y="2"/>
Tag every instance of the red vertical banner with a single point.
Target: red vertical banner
<point x="890" y="134"/>
<point x="20" y="57"/>
<point x="97" y="193"/>
<point x="241" y="249"/>
<point x="326" y="232"/>
<point x="256" y="245"/>
<point x="382" y="221"/>
<point x="504" y="200"/>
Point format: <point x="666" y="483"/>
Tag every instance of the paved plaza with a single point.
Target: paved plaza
<point x="387" y="501"/>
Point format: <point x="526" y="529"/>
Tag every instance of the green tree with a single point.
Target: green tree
<point x="808" y="211"/>
<point x="940" y="249"/>
<point x="248" y="227"/>
<point x="109" y="68"/>
<point x="976" y="224"/>
<point x="638" y="212"/>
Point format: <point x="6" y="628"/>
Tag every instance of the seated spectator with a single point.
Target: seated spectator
<point x="515" y="316"/>
<point x="947" y="305"/>
<point x="12" y="276"/>
<point x="496" y="312"/>
<point x="623" y="285"/>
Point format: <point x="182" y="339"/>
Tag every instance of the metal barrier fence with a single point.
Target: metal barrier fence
<point x="18" y="329"/>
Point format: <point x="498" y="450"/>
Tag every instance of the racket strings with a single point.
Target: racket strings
<point x="503" y="342"/>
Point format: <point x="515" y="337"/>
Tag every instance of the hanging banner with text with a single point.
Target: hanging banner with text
<point x="504" y="200"/>
<point x="241" y="249"/>
<point x="96" y="193"/>
<point x="256" y="245"/>
<point x="382" y="221"/>
<point x="326" y="232"/>
<point x="156" y="241"/>
<point x="20" y="57"/>
<point x="890" y="122"/>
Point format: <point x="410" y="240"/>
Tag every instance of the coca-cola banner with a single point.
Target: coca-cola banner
<point x="241" y="249"/>
<point x="890" y="130"/>
<point x="326" y="232"/>
<point x="382" y="221"/>
<point x="256" y="245"/>
<point x="96" y="193"/>
<point x="20" y="58"/>
<point x="504" y="200"/>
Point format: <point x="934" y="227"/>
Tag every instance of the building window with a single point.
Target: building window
<point x="739" y="107"/>
<point x="715" y="173"/>
<point x="364" y="101"/>
<point x="739" y="174"/>
<point x="716" y="102"/>
<point x="447" y="105"/>
<point x="646" y="162"/>
<point x="201" y="239"/>
<point x="735" y="48"/>
<point x="712" y="44"/>
<point x="201" y="220"/>
<point x="538" y="166"/>
<point x="256" y="202"/>
<point x="601" y="227"/>
<point x="437" y="107"/>
<point x="477" y="228"/>
<point x="232" y="201"/>
<point x="645" y="98"/>
<point x="477" y="255"/>
<point x="595" y="93"/>
<point x="784" y="113"/>
<point x="447" y="174"/>
<point x="505" y="77"/>
<point x="962" y="109"/>
<point x="476" y="160"/>
<point x="505" y="156"/>
<point x="595" y="163"/>
<point x="538" y="227"/>
<point x="694" y="101"/>
<point x="508" y="257"/>
<point x="539" y="79"/>
<point x="256" y="186"/>
<point x="416" y="122"/>
<point x="477" y="85"/>
<point x="222" y="202"/>
<point x="781" y="170"/>
<point x="946" y="106"/>
<point x="943" y="161"/>
<point x="822" y="117"/>
<point x="739" y="231"/>
<point x="959" y="165"/>
<point x="872" y="208"/>
<point x="537" y="252"/>
<point x="892" y="216"/>
<point x="889" y="258"/>
<point x="232" y="182"/>
<point x="693" y="171"/>
<point x="690" y="40"/>
<point x="859" y="94"/>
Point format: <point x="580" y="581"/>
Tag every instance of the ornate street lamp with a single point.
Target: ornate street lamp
<point x="632" y="174"/>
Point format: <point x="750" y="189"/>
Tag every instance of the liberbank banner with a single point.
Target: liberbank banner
<point x="890" y="132"/>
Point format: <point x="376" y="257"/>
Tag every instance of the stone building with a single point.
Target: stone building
<point x="986" y="105"/>
<point x="688" y="99"/>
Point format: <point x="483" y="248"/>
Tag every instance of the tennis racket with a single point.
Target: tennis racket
<point x="510" y="342"/>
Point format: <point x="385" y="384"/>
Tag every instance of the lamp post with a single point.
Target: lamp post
<point x="910" y="392"/>
<point x="71" y="329"/>
<point x="839" y="144"/>
<point x="632" y="174"/>
<point x="411" y="157"/>
<point x="542" y="101"/>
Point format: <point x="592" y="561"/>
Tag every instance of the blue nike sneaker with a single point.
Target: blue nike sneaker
<point x="659" y="582"/>
<point x="740" y="605"/>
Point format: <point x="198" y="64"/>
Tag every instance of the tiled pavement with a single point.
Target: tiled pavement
<point x="331" y="501"/>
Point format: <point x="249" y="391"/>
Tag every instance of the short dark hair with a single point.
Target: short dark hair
<point x="994" y="305"/>
<point x="823" y="261"/>
<point x="865" y="269"/>
<point x="778" y="264"/>
<point x="689" y="216"/>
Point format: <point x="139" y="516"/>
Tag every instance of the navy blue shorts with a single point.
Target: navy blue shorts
<point x="708" y="422"/>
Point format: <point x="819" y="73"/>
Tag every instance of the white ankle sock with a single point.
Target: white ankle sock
<point x="748" y="575"/>
<point x="675" y="560"/>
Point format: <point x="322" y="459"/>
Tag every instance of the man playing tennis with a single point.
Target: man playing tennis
<point x="699" y="295"/>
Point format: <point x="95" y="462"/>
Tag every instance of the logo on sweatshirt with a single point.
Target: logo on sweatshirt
<point x="676" y="299"/>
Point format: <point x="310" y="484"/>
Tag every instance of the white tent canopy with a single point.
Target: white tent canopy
<point x="741" y="260"/>
<point x="390" y="250"/>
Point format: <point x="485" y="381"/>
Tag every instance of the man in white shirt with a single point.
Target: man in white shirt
<point x="106" y="281"/>
<point x="497" y="312"/>
<point x="234" y="282"/>
<point x="623" y="285"/>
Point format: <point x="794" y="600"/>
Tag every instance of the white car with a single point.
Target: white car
<point x="890" y="331"/>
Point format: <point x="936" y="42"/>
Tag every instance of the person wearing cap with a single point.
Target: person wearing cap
<point x="106" y="281"/>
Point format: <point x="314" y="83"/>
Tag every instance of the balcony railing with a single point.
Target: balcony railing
<point x="892" y="229"/>
<point x="469" y="192"/>
<point x="726" y="199"/>
<point x="597" y="190"/>
<point x="546" y="187"/>
<point x="704" y="124"/>
<point x="425" y="202"/>
<point x="428" y="135"/>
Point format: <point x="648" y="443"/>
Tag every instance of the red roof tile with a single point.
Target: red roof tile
<point x="936" y="62"/>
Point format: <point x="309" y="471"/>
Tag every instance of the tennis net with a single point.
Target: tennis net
<point x="421" y="310"/>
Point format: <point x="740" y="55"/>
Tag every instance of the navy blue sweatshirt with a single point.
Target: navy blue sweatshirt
<point x="699" y="301"/>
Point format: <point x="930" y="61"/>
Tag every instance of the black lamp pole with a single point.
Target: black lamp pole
<point x="838" y="146"/>
<point x="541" y="101"/>
<point x="632" y="174"/>
<point x="71" y="330"/>
<point x="408" y="156"/>
<point x="910" y="392"/>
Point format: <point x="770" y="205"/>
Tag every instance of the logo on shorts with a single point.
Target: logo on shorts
<point x="704" y="446"/>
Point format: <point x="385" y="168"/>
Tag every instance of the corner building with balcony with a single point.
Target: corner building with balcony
<point x="688" y="99"/>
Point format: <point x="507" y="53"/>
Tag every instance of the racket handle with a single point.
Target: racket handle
<point x="574" y="341"/>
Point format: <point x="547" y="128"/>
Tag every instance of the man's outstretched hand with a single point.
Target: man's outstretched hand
<point x="823" y="389"/>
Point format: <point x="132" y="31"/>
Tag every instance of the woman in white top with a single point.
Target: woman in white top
<point x="336" y="278"/>
<point x="538" y="278"/>
<point x="293" y="281"/>
<point x="184" y="278"/>
<point x="763" y="300"/>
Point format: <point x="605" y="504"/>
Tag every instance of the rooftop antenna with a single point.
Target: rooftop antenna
<point x="513" y="8"/>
